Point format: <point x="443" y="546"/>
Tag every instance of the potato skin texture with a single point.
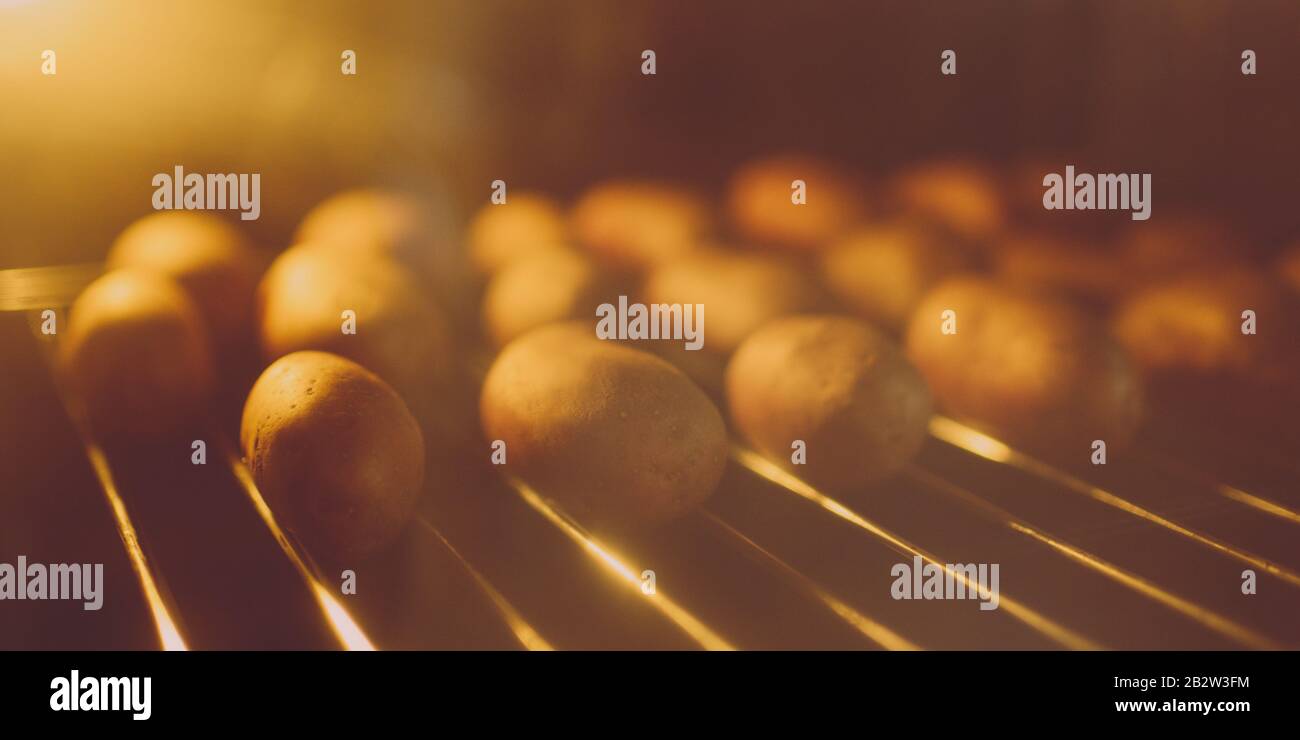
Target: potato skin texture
<point x="401" y="335"/>
<point x="760" y="206"/>
<point x="137" y="354"/>
<point x="1038" y="372"/>
<point x="208" y="257"/>
<point x="622" y="439"/>
<point x="836" y="383"/>
<point x="335" y="452"/>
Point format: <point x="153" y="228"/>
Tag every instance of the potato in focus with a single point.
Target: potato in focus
<point x="841" y="387"/>
<point x="621" y="438"/>
<point x="335" y="452"/>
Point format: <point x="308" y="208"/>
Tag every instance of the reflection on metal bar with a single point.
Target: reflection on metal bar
<point x="870" y="628"/>
<point x="1231" y="493"/>
<point x="36" y="288"/>
<point x="687" y="622"/>
<point x="1201" y="615"/>
<point x="523" y="631"/>
<point x="758" y="465"/>
<point x="168" y="633"/>
<point x="963" y="437"/>
<point x="346" y="630"/>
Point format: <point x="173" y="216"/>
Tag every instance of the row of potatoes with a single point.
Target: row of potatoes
<point x="825" y="324"/>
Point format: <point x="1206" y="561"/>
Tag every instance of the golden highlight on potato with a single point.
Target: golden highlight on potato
<point x="549" y="285"/>
<point x="137" y="355"/>
<point x="634" y="224"/>
<point x="761" y="201"/>
<point x="836" y="385"/>
<point x="207" y="256"/>
<point x="1039" y="372"/>
<point x="882" y="271"/>
<point x="621" y="438"/>
<point x="304" y="302"/>
<point x="501" y="234"/>
<point x="335" y="452"/>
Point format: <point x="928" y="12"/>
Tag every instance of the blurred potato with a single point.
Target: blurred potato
<point x="1034" y="370"/>
<point x="882" y="271"/>
<point x="962" y="195"/>
<point x="622" y="439"/>
<point x="549" y="285"/>
<point x="740" y="292"/>
<point x="838" y="385"/>
<point x="760" y="205"/>
<point x="400" y="334"/>
<point x="419" y="234"/>
<point x="137" y="356"/>
<point x="336" y="453"/>
<point x="1192" y="324"/>
<point x="635" y="224"/>
<point x="499" y="235"/>
<point x="208" y="257"/>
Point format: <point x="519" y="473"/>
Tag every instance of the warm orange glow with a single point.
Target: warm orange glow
<point x="168" y="633"/>
<point x="973" y="442"/>
<point x="870" y="628"/>
<point x="1203" y="616"/>
<point x="694" y="628"/>
<point x="345" y="628"/>
<point x="755" y="463"/>
<point x="524" y="632"/>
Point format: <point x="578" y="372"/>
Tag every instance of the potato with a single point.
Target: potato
<point x="554" y="284"/>
<point x="836" y="384"/>
<point x="502" y="233"/>
<point x="740" y="292"/>
<point x="759" y="201"/>
<point x="373" y="223"/>
<point x="137" y="355"/>
<point x="208" y="257"/>
<point x="621" y="438"/>
<point x="335" y="453"/>
<point x="960" y="194"/>
<point x="1192" y="323"/>
<point x="882" y="271"/>
<point x="633" y="224"/>
<point x="1035" y="371"/>
<point x="400" y="334"/>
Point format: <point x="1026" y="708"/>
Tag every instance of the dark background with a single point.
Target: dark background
<point x="452" y="95"/>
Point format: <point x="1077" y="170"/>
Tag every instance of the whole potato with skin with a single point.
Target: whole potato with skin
<point x="633" y="224"/>
<point x="762" y="210"/>
<point x="1192" y="323"/>
<point x="334" y="451"/>
<point x="1038" y="372"/>
<point x="740" y="292"/>
<point x="208" y="257"/>
<point x="962" y="195"/>
<point x="840" y="386"/>
<point x="500" y="234"/>
<point x="415" y="232"/>
<point x="137" y="355"/>
<point x="621" y="438"/>
<point x="550" y="285"/>
<point x="401" y="335"/>
<point x="882" y="271"/>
